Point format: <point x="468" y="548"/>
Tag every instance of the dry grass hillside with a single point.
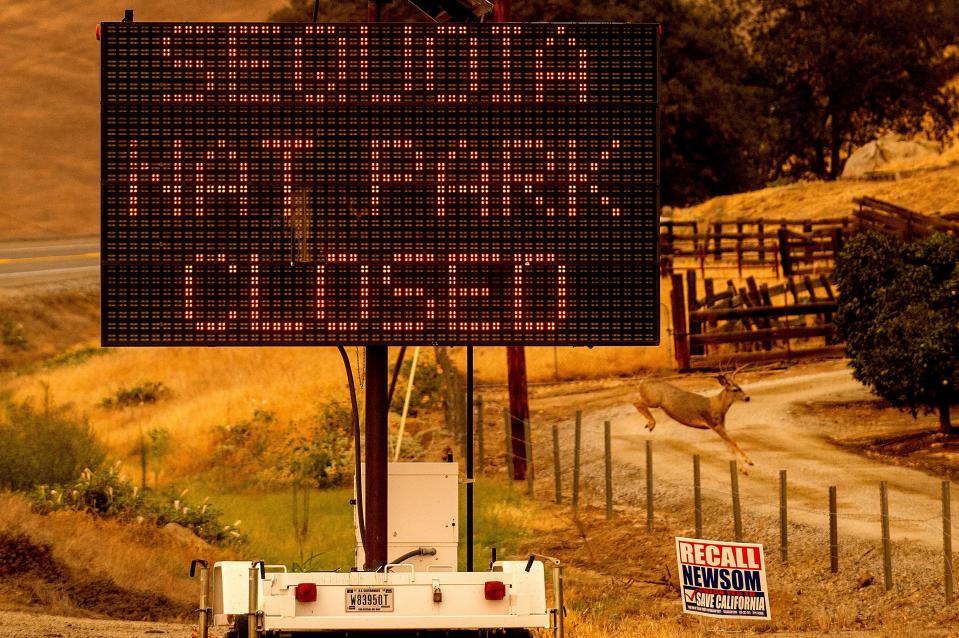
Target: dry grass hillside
<point x="50" y="129"/>
<point x="930" y="186"/>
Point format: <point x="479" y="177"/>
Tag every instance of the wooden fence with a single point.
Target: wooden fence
<point x="753" y="323"/>
<point x="796" y="247"/>
<point x="890" y="219"/>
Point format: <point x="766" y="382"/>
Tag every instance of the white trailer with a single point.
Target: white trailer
<point x="419" y="592"/>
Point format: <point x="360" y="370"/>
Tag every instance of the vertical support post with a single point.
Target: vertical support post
<point x="785" y="260"/>
<point x="558" y="580"/>
<point x="947" y="539"/>
<point x="469" y="458"/>
<point x="761" y="233"/>
<point x="680" y="331"/>
<point x="253" y="601"/>
<point x="717" y="241"/>
<point x="649" y="485"/>
<point x="833" y="531"/>
<point x="556" y="466"/>
<point x="697" y="497"/>
<point x="528" y="437"/>
<point x="608" y="453"/>
<point x="518" y="407"/>
<point x="577" y="446"/>
<point x="377" y="381"/>
<point x="886" y="542"/>
<point x="480" y="436"/>
<point x="508" y="453"/>
<point x="783" y="520"/>
<point x="204" y="611"/>
<point x="692" y="304"/>
<point x="737" y="513"/>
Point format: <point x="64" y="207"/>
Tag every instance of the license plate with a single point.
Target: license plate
<point x="369" y="599"/>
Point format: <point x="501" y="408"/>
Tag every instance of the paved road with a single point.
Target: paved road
<point x="44" y="261"/>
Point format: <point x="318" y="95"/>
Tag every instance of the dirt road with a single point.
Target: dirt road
<point x="25" y="625"/>
<point x="777" y="434"/>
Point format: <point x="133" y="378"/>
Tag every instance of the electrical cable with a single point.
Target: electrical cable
<point x="356" y="447"/>
<point x="419" y="551"/>
<point x="396" y="375"/>
<point x="316" y="9"/>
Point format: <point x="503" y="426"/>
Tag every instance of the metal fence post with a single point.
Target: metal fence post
<point x="833" y="531"/>
<point x="649" y="485"/>
<point x="737" y="513"/>
<point x="608" y="448"/>
<point x="947" y="539"/>
<point x="528" y="429"/>
<point x="509" y="446"/>
<point x="783" y="519"/>
<point x="697" y="497"/>
<point x="577" y="440"/>
<point x="886" y="542"/>
<point x="556" y="466"/>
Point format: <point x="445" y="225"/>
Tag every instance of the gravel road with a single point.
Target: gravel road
<point x="26" y="625"/>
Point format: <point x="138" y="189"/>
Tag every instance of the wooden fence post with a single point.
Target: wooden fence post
<point x="527" y="428"/>
<point x="697" y="497"/>
<point x="761" y="231"/>
<point x="692" y="304"/>
<point x="649" y="485"/>
<point x="737" y="513"/>
<point x="509" y="446"/>
<point x="680" y="331"/>
<point x="947" y="539"/>
<point x="556" y="466"/>
<point x="717" y="241"/>
<point x="833" y="532"/>
<point x="785" y="260"/>
<point x="479" y="433"/>
<point x="886" y="542"/>
<point x="783" y="520"/>
<point x="577" y="440"/>
<point x="608" y="448"/>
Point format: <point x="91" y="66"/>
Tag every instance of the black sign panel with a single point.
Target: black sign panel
<point x="379" y="184"/>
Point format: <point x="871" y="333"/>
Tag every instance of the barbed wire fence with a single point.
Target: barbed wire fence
<point x="570" y="485"/>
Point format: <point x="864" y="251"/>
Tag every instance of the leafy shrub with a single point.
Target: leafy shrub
<point x="325" y="457"/>
<point x="146" y="392"/>
<point x="109" y="495"/>
<point x="427" y="394"/>
<point x="12" y="333"/>
<point x="899" y="316"/>
<point x="262" y="451"/>
<point x="245" y="451"/>
<point x="49" y="445"/>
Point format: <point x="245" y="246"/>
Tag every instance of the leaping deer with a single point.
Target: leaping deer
<point x="694" y="410"/>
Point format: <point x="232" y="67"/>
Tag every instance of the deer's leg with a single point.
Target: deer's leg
<point x="650" y="421"/>
<point x="721" y="431"/>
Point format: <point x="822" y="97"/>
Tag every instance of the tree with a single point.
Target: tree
<point x="844" y="71"/>
<point x="899" y="316"/>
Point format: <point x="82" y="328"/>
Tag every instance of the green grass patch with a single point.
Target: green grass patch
<point x="74" y="357"/>
<point x="267" y="522"/>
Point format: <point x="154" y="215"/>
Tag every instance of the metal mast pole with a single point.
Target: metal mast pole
<point x="377" y="410"/>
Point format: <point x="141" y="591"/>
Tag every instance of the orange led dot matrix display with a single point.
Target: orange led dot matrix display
<point x="282" y="184"/>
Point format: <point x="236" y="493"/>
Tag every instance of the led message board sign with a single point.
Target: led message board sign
<point x="379" y="184"/>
